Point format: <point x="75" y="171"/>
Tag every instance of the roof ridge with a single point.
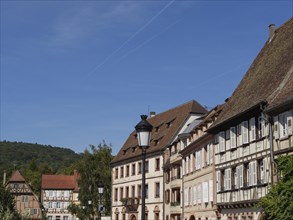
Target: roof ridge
<point x="179" y="106"/>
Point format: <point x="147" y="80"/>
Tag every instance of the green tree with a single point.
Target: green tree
<point x="7" y="205"/>
<point x="94" y="167"/>
<point x="278" y="203"/>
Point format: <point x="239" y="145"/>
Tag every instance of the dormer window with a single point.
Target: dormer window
<point x="169" y="124"/>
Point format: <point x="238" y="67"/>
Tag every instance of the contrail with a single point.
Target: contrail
<point x="132" y="36"/>
<point x="148" y="40"/>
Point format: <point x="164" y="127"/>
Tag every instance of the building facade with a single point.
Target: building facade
<point x="198" y="179"/>
<point x="127" y="167"/>
<point x="26" y="202"/>
<point x="254" y="127"/>
<point x="58" y="192"/>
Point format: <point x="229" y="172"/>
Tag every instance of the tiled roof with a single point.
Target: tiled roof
<point x="162" y="134"/>
<point x="60" y="182"/>
<point x="16" y="177"/>
<point x="268" y="80"/>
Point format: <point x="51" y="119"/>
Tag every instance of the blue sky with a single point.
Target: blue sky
<point x="75" y="73"/>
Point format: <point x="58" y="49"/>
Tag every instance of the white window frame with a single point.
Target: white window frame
<point x="233" y="135"/>
<point x="252" y="132"/>
<point x="222" y="141"/>
<point x="244" y="131"/>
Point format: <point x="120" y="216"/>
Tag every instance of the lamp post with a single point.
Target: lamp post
<point x="143" y="130"/>
<point x="101" y="191"/>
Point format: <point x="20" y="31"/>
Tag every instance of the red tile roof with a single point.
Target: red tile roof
<point x="162" y="135"/>
<point x="16" y="177"/>
<point x="60" y="182"/>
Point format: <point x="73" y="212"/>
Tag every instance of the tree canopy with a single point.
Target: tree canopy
<point x="278" y="203"/>
<point x="94" y="167"/>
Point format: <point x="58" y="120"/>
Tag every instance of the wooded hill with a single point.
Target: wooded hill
<point x="44" y="158"/>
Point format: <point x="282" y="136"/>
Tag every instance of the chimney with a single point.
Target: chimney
<point x="272" y="31"/>
<point x="152" y="114"/>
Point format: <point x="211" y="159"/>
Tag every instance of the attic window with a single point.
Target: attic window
<point x="157" y="128"/>
<point x="169" y="124"/>
<point x="133" y="148"/>
<point x="135" y="136"/>
<point x="157" y="141"/>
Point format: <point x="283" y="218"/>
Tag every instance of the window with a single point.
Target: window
<point x="121" y="172"/>
<point x="121" y="193"/>
<point x="285" y="124"/>
<point x="262" y="171"/>
<point x="244" y="127"/>
<point x="116" y="194"/>
<point x="199" y="194"/>
<point x="139" y="168"/>
<point x="127" y="191"/>
<point x="218" y="180"/>
<point x="157" y="164"/>
<point x="50" y="205"/>
<point x="116" y="173"/>
<point x="146" y="191"/>
<point x="127" y="170"/>
<point x="133" y="169"/>
<point x="133" y="192"/>
<point x="252" y="129"/>
<point x="222" y="141"/>
<point x="227" y="179"/>
<point x="147" y="166"/>
<point x="233" y="137"/>
<point x="211" y="190"/>
<point x="65" y="218"/>
<point x="157" y="190"/>
<point x="24" y="198"/>
<point x="205" y="192"/>
<point x="139" y="191"/>
<point x="156" y="216"/>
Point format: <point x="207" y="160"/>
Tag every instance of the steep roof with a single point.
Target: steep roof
<point x="165" y="127"/>
<point x="60" y="182"/>
<point x="16" y="177"/>
<point x="268" y="80"/>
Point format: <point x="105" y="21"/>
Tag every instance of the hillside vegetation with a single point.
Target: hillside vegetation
<point x="33" y="160"/>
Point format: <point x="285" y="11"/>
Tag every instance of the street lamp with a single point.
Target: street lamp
<point x="101" y="191"/>
<point x="143" y="130"/>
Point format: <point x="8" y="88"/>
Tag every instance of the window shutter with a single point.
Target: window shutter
<point x="191" y="162"/>
<point x="276" y="127"/>
<point x="199" y="193"/>
<point x="222" y="141"/>
<point x="211" y="153"/>
<point x="289" y="122"/>
<point x="187" y="165"/>
<point x="244" y="127"/>
<point x="183" y="167"/>
<point x="205" y="192"/>
<point x="194" y="195"/>
<point x="208" y="154"/>
<point x="233" y="137"/>
<point x="241" y="175"/>
<point x="249" y="172"/>
<point x="199" y="159"/>
<point x="202" y="157"/>
<point x="252" y="129"/>
<point x="254" y="182"/>
<point x="211" y="190"/>
<point x="265" y="167"/>
<point x="225" y="179"/>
